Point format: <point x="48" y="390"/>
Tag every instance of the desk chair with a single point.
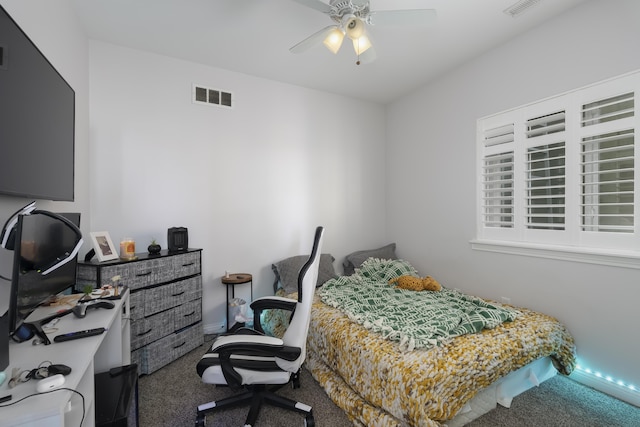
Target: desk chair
<point x="257" y="364"/>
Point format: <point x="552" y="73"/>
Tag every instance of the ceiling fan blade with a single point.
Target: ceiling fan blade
<point x="313" y="40"/>
<point x="415" y="17"/>
<point x="315" y="4"/>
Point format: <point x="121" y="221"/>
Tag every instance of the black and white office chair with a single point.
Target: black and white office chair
<point x="261" y="364"/>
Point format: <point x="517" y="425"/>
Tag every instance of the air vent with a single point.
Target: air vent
<point x="209" y="96"/>
<point x="520" y="7"/>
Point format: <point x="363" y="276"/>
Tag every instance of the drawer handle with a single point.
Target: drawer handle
<point x="145" y="333"/>
<point x="143" y="274"/>
<point x="178" y="346"/>
<point x="190" y="314"/>
<point x="178" y="294"/>
<point x="188" y="265"/>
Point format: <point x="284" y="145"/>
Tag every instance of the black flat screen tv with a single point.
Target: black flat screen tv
<point x="37" y="120"/>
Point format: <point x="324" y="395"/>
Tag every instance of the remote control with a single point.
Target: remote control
<point x="79" y="334"/>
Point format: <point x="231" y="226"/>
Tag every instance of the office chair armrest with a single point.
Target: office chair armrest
<point x="255" y="345"/>
<point x="244" y="339"/>
<point x="271" y="302"/>
<point x="250" y="345"/>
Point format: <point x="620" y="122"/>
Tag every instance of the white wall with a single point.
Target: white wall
<point x="431" y="179"/>
<point x="250" y="183"/>
<point x="55" y="31"/>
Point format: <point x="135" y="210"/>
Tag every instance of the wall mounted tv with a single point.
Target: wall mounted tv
<point x="37" y="120"/>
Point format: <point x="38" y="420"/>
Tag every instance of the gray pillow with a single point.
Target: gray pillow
<point x="355" y="259"/>
<point x="287" y="271"/>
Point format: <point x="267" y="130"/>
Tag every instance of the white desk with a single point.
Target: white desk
<point x="86" y="357"/>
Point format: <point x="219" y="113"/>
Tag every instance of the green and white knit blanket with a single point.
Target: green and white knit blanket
<point x="414" y="319"/>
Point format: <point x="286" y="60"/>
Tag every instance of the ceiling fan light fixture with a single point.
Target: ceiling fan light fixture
<point x="354" y="28"/>
<point x="352" y="18"/>
<point x="361" y="44"/>
<point x="333" y="41"/>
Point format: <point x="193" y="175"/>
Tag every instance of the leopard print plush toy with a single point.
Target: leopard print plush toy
<point x="416" y="283"/>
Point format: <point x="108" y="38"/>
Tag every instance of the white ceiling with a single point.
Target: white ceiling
<point x="254" y="36"/>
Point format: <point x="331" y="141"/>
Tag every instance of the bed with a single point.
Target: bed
<point x="381" y="375"/>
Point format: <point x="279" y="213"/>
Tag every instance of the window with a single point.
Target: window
<point x="560" y="175"/>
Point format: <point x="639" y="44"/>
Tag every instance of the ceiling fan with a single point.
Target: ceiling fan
<point x="352" y="18"/>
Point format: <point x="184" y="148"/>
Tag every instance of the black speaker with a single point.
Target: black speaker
<point x="177" y="239"/>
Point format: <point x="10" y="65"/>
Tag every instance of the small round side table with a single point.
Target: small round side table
<point x="231" y="281"/>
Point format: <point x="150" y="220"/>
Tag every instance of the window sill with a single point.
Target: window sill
<point x="625" y="259"/>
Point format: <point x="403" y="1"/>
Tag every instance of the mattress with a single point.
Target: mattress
<point x="499" y="393"/>
<point x="378" y="384"/>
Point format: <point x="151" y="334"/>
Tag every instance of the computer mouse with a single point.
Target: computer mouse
<point x="58" y="368"/>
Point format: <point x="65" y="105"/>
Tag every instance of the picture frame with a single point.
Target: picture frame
<point x="102" y="244"/>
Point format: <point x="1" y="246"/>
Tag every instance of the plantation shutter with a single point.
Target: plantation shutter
<point x="545" y="167"/>
<point x="559" y="175"/>
<point x="497" y="177"/>
<point x="607" y="165"/>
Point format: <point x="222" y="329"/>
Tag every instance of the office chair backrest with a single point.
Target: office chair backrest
<point x="296" y="334"/>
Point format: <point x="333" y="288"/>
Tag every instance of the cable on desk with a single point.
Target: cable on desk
<point x="51" y="391"/>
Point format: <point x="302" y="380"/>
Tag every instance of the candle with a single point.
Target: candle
<point x="127" y="248"/>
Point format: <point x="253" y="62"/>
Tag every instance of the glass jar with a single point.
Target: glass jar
<point x="127" y="248"/>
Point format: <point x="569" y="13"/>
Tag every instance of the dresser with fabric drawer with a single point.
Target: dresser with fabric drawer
<point x="165" y="302"/>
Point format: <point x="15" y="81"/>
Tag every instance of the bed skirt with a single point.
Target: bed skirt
<point x="499" y="393"/>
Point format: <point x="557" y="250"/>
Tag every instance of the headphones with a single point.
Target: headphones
<point x="8" y="236"/>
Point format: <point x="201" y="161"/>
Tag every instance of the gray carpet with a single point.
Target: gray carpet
<point x="169" y="397"/>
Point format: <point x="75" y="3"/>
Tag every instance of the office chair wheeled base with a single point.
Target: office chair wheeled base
<point x="256" y="396"/>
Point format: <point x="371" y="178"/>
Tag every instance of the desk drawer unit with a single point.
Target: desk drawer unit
<point x="165" y="303"/>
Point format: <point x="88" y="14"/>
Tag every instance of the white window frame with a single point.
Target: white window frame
<point x="569" y="242"/>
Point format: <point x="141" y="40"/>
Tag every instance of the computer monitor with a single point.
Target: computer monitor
<point x="44" y="265"/>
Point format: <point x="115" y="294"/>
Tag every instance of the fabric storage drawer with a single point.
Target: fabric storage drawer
<point x="137" y="358"/>
<point x="159" y="299"/>
<point x="186" y="264"/>
<point x="96" y="275"/>
<point x="188" y="339"/>
<point x="136" y="304"/>
<point x="150" y="329"/>
<point x="86" y="275"/>
<point x="171" y="347"/>
<point x="149" y="272"/>
<point x="189" y="289"/>
<point x="122" y="270"/>
<point x="165" y="297"/>
<point x="146" y="302"/>
<point x="158" y="354"/>
<point x="187" y="314"/>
